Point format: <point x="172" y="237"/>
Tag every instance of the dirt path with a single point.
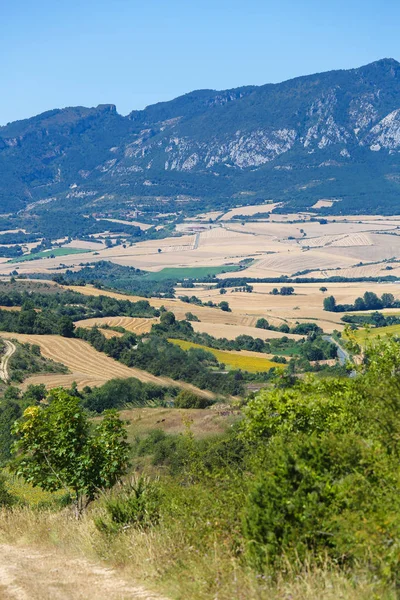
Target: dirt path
<point x="27" y="574"/>
<point x="10" y="349"/>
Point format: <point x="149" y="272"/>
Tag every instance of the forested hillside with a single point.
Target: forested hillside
<point x="332" y="135"/>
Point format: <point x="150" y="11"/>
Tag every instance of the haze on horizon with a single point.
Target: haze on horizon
<point x="132" y="55"/>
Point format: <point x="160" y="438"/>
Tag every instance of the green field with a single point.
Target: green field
<point x="235" y="360"/>
<point x="179" y="273"/>
<point x="48" y="253"/>
<point x="362" y="335"/>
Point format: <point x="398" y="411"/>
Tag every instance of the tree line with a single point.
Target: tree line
<point x="369" y="301"/>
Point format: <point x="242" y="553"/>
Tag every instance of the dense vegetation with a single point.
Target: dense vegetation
<point x="375" y="319"/>
<point x="105" y="274"/>
<point x="53" y="312"/>
<point x="158" y="356"/>
<point x="370" y="301"/>
<point x="307" y="479"/>
<point x="313" y="348"/>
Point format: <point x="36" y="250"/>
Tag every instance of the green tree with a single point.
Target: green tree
<point x="187" y="399"/>
<point x="66" y="327"/>
<point x="330" y="304"/>
<point x="10" y="411"/>
<point x="167" y="319"/>
<point x="224" y="306"/>
<point x="387" y="300"/>
<point x="262" y="324"/>
<point x="57" y="449"/>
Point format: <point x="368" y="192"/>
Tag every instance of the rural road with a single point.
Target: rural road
<point x="343" y="356"/>
<point x="27" y="574"/>
<point x="10" y="349"/>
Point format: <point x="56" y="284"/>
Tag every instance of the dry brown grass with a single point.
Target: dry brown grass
<point x="159" y="558"/>
<point x="203" y="422"/>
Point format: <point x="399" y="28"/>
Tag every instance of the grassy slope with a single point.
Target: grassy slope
<point x="189" y="272"/>
<point x="203" y="422"/>
<point x="47" y="253"/>
<point x="362" y="335"/>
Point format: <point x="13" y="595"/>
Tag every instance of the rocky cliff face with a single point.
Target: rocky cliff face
<point x="286" y="141"/>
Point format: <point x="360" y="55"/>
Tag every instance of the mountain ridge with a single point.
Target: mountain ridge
<point x="332" y="134"/>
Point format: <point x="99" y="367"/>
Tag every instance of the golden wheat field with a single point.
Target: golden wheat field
<point x="134" y="324"/>
<point x="87" y="365"/>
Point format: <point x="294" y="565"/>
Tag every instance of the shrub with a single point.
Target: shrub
<point x="187" y="399"/>
<point x="136" y="504"/>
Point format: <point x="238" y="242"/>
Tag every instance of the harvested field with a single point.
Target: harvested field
<point x="340" y="241"/>
<point x="323" y="204"/>
<point x="281" y="245"/>
<point x="250" y="210"/>
<point x="305" y="305"/>
<point x="87" y="366"/>
<point x="231" y="332"/>
<point x="136" y="325"/>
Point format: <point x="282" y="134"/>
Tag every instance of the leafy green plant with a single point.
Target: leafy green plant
<point x="187" y="399"/>
<point x="56" y="449"/>
<point x="135" y="504"/>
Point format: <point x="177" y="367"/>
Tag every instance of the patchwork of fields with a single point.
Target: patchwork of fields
<point x="279" y="245"/>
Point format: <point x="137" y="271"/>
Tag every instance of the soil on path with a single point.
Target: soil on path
<point x="10" y="349"/>
<point x="27" y="574"/>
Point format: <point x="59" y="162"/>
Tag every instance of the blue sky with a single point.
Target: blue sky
<point x="131" y="53"/>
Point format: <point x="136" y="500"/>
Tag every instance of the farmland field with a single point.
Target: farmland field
<point x="281" y="245"/>
<point x="189" y="272"/>
<point x="305" y="305"/>
<point x="253" y="362"/>
<point x="134" y="324"/>
<point x="87" y="366"/>
<point x="364" y="335"/>
<point x="56" y="252"/>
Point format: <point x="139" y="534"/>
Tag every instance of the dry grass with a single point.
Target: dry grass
<point x="160" y="558"/>
<point x="203" y="422"/>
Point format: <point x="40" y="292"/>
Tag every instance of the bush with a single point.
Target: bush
<point x="187" y="399"/>
<point x="136" y="504"/>
<point x="6" y="499"/>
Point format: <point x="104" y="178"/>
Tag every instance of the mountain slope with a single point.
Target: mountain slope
<point x="330" y="135"/>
